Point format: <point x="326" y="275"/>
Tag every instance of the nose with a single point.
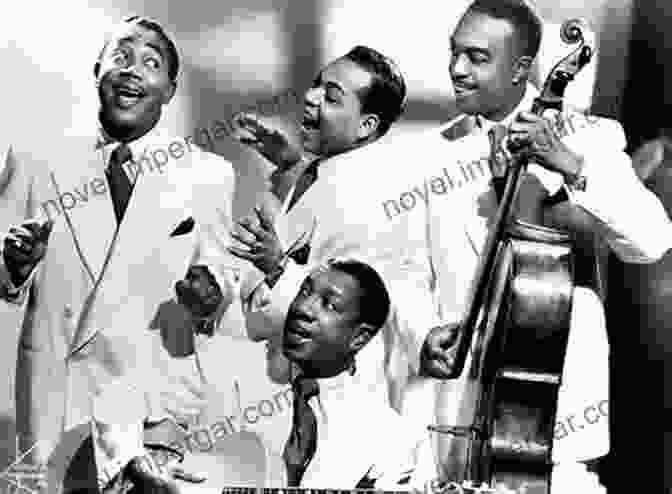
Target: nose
<point x="459" y="65"/>
<point x="132" y="66"/>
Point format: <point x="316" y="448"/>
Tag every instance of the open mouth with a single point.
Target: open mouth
<point x="310" y="123"/>
<point x="127" y="95"/>
<point x="462" y="89"/>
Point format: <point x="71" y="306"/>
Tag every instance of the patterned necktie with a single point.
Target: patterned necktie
<point x="300" y="447"/>
<point x="117" y="179"/>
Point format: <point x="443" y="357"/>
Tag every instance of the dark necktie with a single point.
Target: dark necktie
<point x="117" y="179"/>
<point x="304" y="182"/>
<point x="300" y="447"/>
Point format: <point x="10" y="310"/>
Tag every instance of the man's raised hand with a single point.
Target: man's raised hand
<point x="271" y="143"/>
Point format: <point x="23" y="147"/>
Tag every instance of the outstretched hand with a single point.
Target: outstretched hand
<point x="271" y="143"/>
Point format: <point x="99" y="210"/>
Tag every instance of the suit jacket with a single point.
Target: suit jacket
<point x="457" y="240"/>
<point x="101" y="288"/>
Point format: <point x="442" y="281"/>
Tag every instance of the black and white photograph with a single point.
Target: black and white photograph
<point x="326" y="246"/>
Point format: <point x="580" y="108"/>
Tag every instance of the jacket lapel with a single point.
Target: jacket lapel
<point x="87" y="208"/>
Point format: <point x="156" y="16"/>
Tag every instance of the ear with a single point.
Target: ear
<point x="361" y="336"/>
<point x="169" y="92"/>
<point x="521" y="69"/>
<point x="368" y="125"/>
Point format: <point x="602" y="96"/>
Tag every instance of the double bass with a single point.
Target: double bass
<point x="515" y="327"/>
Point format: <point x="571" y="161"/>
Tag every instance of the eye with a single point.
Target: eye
<point x="119" y="57"/>
<point x="305" y="290"/>
<point x="478" y="57"/>
<point x="331" y="305"/>
<point x="153" y="63"/>
<point x="332" y="96"/>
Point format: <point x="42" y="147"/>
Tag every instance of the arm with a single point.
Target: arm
<point x="626" y="214"/>
<point x="17" y="204"/>
<point x="599" y="178"/>
<point x="211" y="260"/>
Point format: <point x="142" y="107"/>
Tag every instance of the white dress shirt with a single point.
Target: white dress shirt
<point x="358" y="433"/>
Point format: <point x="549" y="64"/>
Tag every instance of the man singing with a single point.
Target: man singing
<point x="339" y="308"/>
<point x="97" y="281"/>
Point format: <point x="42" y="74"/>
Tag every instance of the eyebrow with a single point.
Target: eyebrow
<point x="129" y="39"/>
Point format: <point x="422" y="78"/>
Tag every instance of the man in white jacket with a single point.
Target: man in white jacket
<point x="131" y="209"/>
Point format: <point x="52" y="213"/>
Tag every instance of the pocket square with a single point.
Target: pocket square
<point x="185" y="227"/>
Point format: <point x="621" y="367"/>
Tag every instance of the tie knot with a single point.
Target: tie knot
<point x="305" y="388"/>
<point x="120" y="155"/>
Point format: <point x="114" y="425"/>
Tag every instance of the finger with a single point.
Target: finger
<point x="528" y="116"/>
<point x="265" y="219"/>
<point x="22" y="245"/>
<point x="245" y="239"/>
<point x="242" y="254"/>
<point x="22" y="231"/>
<point x="252" y="229"/>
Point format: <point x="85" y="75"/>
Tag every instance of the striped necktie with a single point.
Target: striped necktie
<point x="118" y="181"/>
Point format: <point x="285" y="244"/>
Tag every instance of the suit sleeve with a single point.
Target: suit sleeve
<point x="18" y="203"/>
<point x="216" y="191"/>
<point x="629" y="217"/>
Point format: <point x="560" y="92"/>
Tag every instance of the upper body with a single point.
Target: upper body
<point x="335" y="315"/>
<point x="98" y="294"/>
<point x="493" y="47"/>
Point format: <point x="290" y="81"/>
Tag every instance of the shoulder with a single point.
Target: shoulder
<point x="200" y="165"/>
<point x="584" y="126"/>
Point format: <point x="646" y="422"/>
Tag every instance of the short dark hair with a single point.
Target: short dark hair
<point x="374" y="301"/>
<point x="154" y="26"/>
<point x="519" y="13"/>
<point x="386" y="95"/>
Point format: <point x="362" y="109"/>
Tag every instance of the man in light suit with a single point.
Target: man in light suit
<point x="131" y="209"/>
<point x="493" y="48"/>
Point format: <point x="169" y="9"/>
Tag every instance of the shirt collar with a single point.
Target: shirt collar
<point x="139" y="146"/>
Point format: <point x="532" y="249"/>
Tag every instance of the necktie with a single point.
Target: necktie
<point x="498" y="159"/>
<point x="300" y="447"/>
<point x="120" y="184"/>
<point x="304" y="182"/>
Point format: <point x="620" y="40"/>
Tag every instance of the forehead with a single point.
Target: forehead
<point x="133" y="33"/>
<point x="336" y="282"/>
<point x="480" y="30"/>
<point x="347" y="74"/>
